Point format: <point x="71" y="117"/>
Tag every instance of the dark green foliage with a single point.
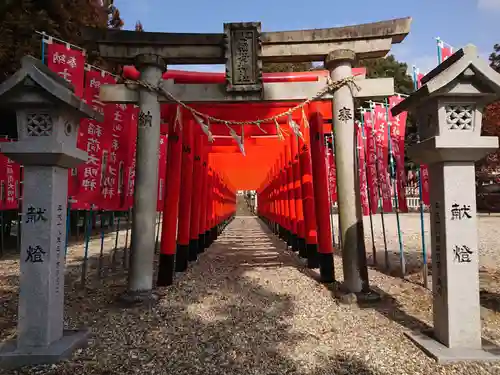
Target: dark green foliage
<point x="63" y="19"/>
<point x="495" y="58"/>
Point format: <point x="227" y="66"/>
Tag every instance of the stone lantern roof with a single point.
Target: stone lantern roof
<point x="448" y="79"/>
<point x="33" y="75"/>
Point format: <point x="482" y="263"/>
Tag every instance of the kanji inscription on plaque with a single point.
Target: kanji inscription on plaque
<point x="243" y="52"/>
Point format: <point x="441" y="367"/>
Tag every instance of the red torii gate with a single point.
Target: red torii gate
<point x="289" y="174"/>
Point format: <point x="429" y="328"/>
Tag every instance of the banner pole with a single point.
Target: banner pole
<point x="115" y="249"/>
<point x="88" y="226"/>
<point x="43" y="48"/>
<point x="439" y="52"/>
<point x="2" y="231"/>
<point x="425" y="271"/>
<point x="101" y="250"/>
<point x="363" y="137"/>
<point x="402" y="262"/>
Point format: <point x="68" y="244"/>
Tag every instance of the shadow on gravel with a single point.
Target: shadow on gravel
<point x="389" y="307"/>
<point x="490" y="300"/>
<point x="213" y="320"/>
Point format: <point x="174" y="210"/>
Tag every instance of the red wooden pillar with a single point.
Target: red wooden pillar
<point x="308" y="200"/>
<point x="322" y="206"/>
<point x="218" y="203"/>
<point x="211" y="209"/>
<point x="277" y="192"/>
<point x="292" y="241"/>
<point x="204" y="202"/>
<point x="271" y="199"/>
<point x="286" y="202"/>
<point x="283" y="198"/>
<point x="297" y="187"/>
<point x="183" y="232"/>
<point x="196" y="196"/>
<point x="166" y="265"/>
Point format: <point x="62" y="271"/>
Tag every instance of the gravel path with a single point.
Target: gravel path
<point x="248" y="307"/>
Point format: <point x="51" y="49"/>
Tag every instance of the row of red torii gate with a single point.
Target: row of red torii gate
<point x="284" y="162"/>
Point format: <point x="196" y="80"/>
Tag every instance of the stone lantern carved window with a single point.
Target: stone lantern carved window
<point x="39" y="124"/>
<point x="460" y="116"/>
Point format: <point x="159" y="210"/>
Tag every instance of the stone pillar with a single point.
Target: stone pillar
<point x="456" y="259"/>
<point x="449" y="109"/>
<point x="48" y="114"/>
<point x="42" y="257"/>
<point x="339" y="63"/>
<point x="140" y="281"/>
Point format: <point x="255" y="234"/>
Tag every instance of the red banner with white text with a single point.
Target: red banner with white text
<point x="424" y="177"/>
<point x="132" y="146"/>
<point x="68" y="63"/>
<point x="10" y="177"/>
<point x="332" y="174"/>
<point x="118" y="121"/>
<point x="446" y="52"/>
<point x="398" y="128"/>
<point x="424" y="172"/>
<point x="382" y="151"/>
<point x="371" y="162"/>
<point x="93" y="138"/>
<point x="162" y="172"/>
<point x="363" y="186"/>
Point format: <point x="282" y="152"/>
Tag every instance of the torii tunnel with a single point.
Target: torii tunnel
<point x="287" y="171"/>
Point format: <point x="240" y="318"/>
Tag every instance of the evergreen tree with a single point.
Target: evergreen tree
<point x="495" y="58"/>
<point x="487" y="168"/>
<point x="138" y="26"/>
<point x="64" y="19"/>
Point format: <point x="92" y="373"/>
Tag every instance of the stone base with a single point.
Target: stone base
<point x="11" y="357"/>
<point x="442" y="354"/>
<point x="135" y="298"/>
<point x="350" y="298"/>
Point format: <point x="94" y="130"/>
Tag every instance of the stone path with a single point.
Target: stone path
<point x="247" y="306"/>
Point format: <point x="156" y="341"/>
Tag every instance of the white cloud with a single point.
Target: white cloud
<point x="489" y="5"/>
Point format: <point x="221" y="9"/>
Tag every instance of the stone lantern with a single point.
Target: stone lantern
<point x="48" y="113"/>
<point x="449" y="108"/>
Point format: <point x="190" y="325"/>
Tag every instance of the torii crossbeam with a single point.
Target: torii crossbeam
<point x="243" y="48"/>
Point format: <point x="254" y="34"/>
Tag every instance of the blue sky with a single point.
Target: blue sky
<point x="457" y="22"/>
